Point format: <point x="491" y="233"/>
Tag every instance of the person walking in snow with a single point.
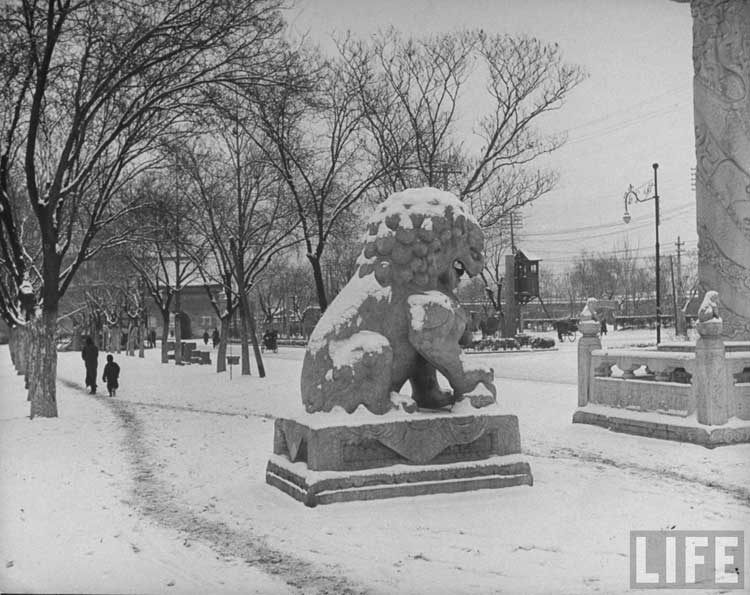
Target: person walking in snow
<point x="111" y="375"/>
<point x="215" y="337"/>
<point x="90" y="356"/>
<point x="205" y="337"/>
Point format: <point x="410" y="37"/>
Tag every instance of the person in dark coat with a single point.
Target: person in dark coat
<point x="111" y="376"/>
<point x="90" y="356"/>
<point x="205" y="337"/>
<point x="216" y="338"/>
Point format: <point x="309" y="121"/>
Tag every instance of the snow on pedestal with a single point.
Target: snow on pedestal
<point x="397" y="321"/>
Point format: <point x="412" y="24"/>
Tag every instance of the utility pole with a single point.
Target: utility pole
<point x="630" y="196"/>
<point x="679" y="245"/>
<point x="658" y="272"/>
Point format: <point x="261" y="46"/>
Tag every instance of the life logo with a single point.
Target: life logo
<point x="687" y="559"/>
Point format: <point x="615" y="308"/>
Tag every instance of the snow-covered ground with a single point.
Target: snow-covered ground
<point x="162" y="490"/>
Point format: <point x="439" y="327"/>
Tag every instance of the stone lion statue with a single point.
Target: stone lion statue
<point x="398" y="319"/>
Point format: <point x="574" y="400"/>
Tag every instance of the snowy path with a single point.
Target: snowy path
<point x="191" y="477"/>
<point x="154" y="497"/>
<point x="66" y="524"/>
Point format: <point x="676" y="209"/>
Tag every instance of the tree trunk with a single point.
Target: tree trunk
<point x="75" y="342"/>
<point x="244" y="334"/>
<point x="130" y="344"/>
<point x="256" y="347"/>
<point x="221" y="353"/>
<point x="44" y="365"/>
<point x="141" y="338"/>
<point x="118" y="337"/>
<point x="680" y="323"/>
<point x="13" y="346"/>
<point x="320" y="287"/>
<point x="18" y="347"/>
<point x="177" y="329"/>
<point x="164" y="336"/>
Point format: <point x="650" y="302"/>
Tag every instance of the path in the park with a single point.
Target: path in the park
<point x="193" y="446"/>
<point x="154" y="499"/>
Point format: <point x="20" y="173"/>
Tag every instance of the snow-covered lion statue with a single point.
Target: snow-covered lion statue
<point x="398" y="318"/>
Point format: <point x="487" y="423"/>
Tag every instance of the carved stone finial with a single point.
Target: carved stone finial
<point x="589" y="310"/>
<point x="709" y="309"/>
<point x="709" y="323"/>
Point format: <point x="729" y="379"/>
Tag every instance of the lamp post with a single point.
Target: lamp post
<point x="630" y="196"/>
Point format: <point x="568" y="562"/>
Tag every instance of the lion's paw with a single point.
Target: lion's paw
<point x="480" y="397"/>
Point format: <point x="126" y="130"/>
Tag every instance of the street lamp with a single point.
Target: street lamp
<point x="630" y="196"/>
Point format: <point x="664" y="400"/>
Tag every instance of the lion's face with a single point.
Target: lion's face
<point x="422" y="237"/>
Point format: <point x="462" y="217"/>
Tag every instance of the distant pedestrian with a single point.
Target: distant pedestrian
<point x="215" y="337"/>
<point x="111" y="375"/>
<point x="603" y="327"/>
<point x="90" y="356"/>
<point x="205" y="337"/>
<point x="152" y="338"/>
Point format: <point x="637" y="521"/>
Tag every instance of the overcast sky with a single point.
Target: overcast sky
<point x="633" y="110"/>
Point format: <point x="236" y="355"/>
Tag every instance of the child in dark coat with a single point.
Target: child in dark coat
<point x="111" y="374"/>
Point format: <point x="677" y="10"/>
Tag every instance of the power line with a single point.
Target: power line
<point x="666" y="217"/>
<point x="682" y="87"/>
<point x="647" y="250"/>
<point x="625" y="124"/>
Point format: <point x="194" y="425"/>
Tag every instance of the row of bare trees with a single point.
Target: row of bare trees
<point x="622" y="275"/>
<point x="88" y="90"/>
<point x="193" y="139"/>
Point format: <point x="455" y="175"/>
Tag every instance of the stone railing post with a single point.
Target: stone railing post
<point x="710" y="381"/>
<point x="586" y="344"/>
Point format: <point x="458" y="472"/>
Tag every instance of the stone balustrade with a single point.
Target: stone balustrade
<point x="633" y="364"/>
<point x="668" y="394"/>
<point x="654" y="381"/>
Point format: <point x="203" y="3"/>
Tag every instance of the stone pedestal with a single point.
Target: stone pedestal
<point x="711" y="383"/>
<point x="586" y="344"/>
<point x="324" y="458"/>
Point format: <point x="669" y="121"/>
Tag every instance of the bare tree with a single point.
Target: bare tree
<point x="89" y="88"/>
<point x="286" y="293"/>
<point x="245" y="214"/>
<point x="315" y="136"/>
<point x="413" y="95"/>
<point x="167" y="253"/>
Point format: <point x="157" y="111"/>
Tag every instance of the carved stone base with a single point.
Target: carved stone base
<point x="314" y="487"/>
<point x="665" y="427"/>
<point x="322" y="458"/>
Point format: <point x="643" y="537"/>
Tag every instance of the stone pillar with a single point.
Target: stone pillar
<point x="511" y="309"/>
<point x="721" y="90"/>
<point x="710" y="381"/>
<point x="586" y="344"/>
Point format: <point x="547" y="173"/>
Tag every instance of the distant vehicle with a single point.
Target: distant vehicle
<point x="270" y="341"/>
<point x="566" y="329"/>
